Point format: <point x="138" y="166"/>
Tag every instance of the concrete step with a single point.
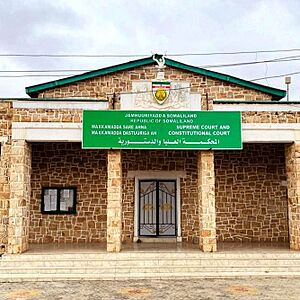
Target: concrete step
<point x="146" y="265"/>
<point x="149" y="255"/>
<point x="124" y="276"/>
<point x="148" y="262"/>
<point x="135" y="269"/>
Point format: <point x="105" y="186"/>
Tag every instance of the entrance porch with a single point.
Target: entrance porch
<point x="212" y="203"/>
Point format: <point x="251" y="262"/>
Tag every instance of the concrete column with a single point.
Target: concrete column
<point x="292" y="155"/>
<point x="206" y="198"/>
<point x="20" y="188"/>
<point x="114" y="201"/>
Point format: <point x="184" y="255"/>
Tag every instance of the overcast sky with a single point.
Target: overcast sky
<point x="145" y="27"/>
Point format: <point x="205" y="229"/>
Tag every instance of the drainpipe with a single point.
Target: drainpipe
<point x="207" y="104"/>
<point x="113" y="100"/>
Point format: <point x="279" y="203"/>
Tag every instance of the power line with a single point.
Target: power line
<point x="235" y="52"/>
<point x="72" y="55"/>
<point x="275" y="76"/>
<point x="283" y="59"/>
<point x="35" y="75"/>
<point x="143" y="55"/>
<point x="44" y="71"/>
<point x="280" y="59"/>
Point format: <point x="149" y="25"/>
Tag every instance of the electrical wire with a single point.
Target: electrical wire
<point x="280" y="59"/>
<point x="235" y="52"/>
<point x="35" y="75"/>
<point x="72" y="55"/>
<point x="144" y="55"/>
<point x="44" y="71"/>
<point x="275" y="76"/>
<point x="286" y="59"/>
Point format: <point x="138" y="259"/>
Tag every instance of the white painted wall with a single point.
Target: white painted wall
<point x="256" y="107"/>
<point x="180" y="97"/>
<point x="72" y="132"/>
<point x="84" y="105"/>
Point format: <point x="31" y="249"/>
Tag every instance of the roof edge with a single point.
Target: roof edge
<point x="34" y="89"/>
<point x="277" y="94"/>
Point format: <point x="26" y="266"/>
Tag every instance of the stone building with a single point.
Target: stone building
<point x="53" y="190"/>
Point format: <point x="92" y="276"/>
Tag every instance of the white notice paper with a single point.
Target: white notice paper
<point x="53" y="193"/>
<point x="63" y="206"/>
<point x="47" y="206"/>
<point x="53" y="203"/>
<point x="66" y="193"/>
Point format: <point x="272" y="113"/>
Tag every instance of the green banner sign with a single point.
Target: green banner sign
<point x="161" y="130"/>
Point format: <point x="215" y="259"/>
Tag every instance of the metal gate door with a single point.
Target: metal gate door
<point x="157" y="208"/>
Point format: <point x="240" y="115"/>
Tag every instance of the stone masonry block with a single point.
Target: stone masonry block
<point x="293" y="180"/>
<point x="114" y="201"/>
<point x="206" y="198"/>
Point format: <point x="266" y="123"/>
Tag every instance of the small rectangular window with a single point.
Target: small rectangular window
<point x="58" y="200"/>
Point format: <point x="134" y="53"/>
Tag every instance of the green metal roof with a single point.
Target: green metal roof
<point x="276" y="94"/>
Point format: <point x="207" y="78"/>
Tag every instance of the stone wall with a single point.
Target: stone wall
<point x="63" y="165"/>
<point x="270" y="117"/>
<point x="47" y="115"/>
<point x="104" y="86"/>
<point x="19" y="202"/>
<point x="4" y="191"/>
<point x="144" y="160"/>
<point x="5" y="118"/>
<point x="5" y="148"/>
<point x="293" y="175"/>
<point x="251" y="194"/>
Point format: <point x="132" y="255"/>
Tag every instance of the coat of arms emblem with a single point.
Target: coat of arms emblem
<point x="161" y="90"/>
<point x="160" y="86"/>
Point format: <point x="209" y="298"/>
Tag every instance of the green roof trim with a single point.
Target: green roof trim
<point x="33" y="91"/>
<point x="276" y="93"/>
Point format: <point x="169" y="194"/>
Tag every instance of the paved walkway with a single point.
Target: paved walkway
<point x="243" y="288"/>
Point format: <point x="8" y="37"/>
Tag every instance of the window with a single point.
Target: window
<point x="58" y="200"/>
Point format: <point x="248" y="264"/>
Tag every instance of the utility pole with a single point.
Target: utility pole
<point x="288" y="82"/>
